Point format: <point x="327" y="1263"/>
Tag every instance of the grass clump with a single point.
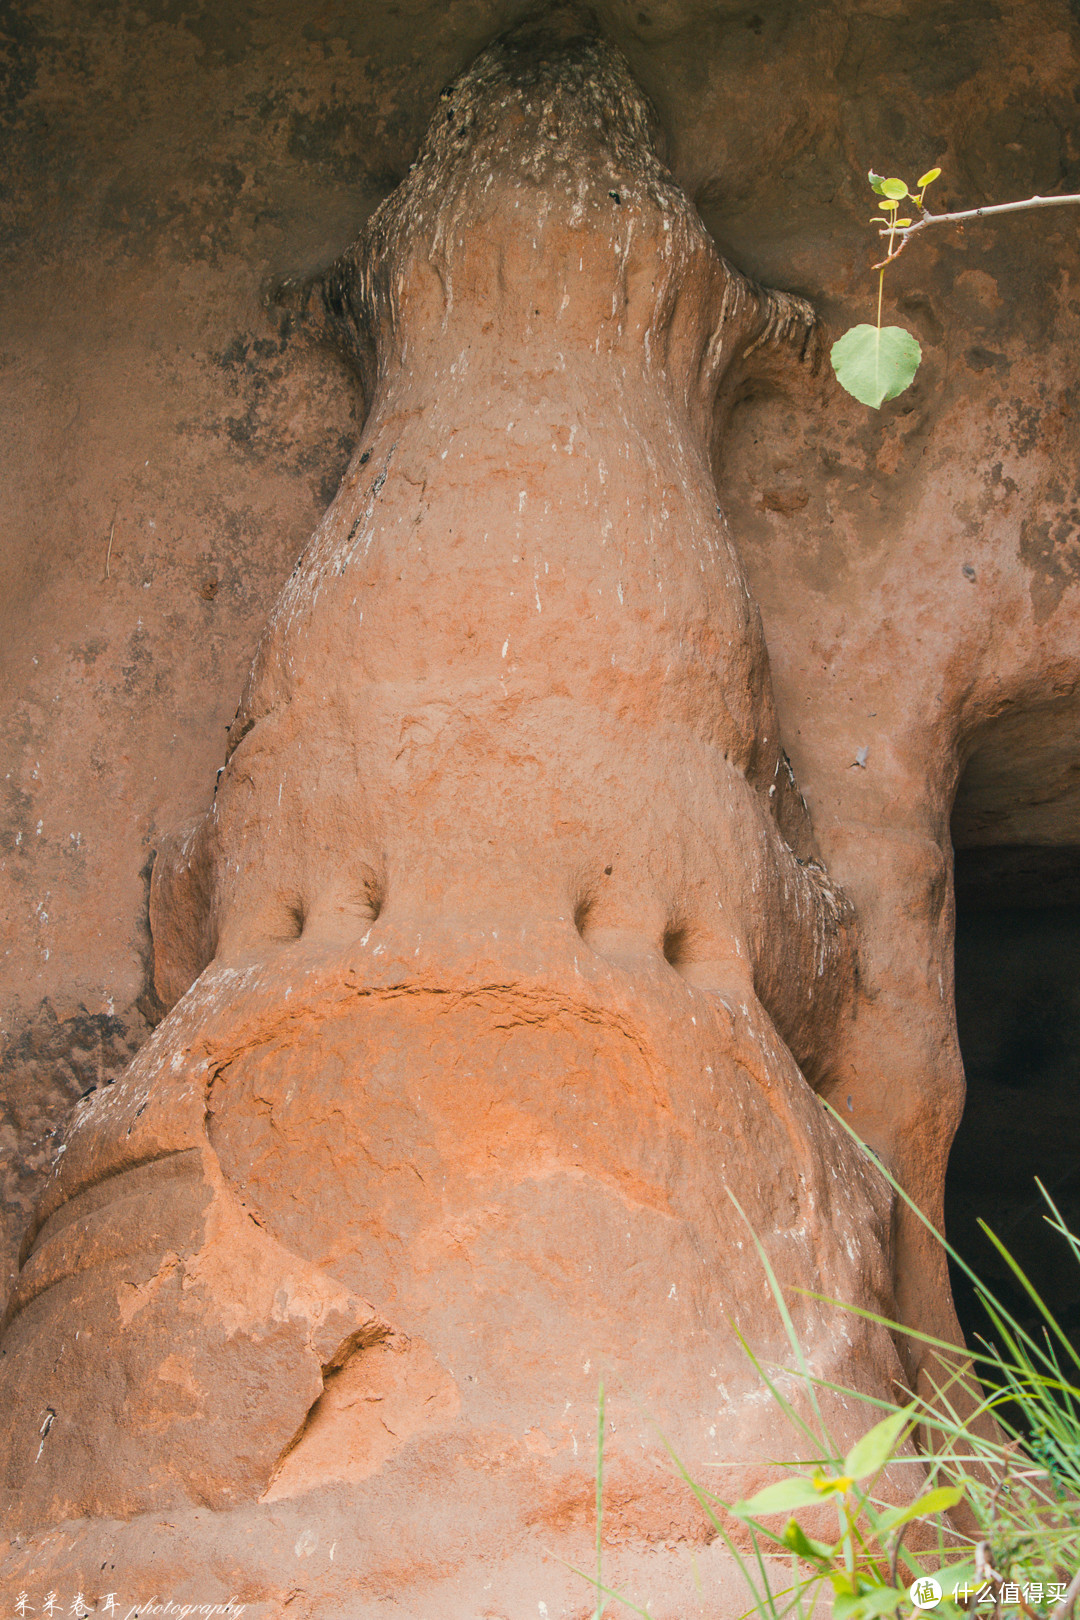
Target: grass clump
<point x="998" y="1504"/>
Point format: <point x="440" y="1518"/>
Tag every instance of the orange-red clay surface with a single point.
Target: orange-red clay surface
<point x="506" y="958"/>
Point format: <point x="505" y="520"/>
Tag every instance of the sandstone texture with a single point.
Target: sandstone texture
<point x="587" y="815"/>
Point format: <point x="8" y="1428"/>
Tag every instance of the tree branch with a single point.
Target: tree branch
<point x="903" y="234"/>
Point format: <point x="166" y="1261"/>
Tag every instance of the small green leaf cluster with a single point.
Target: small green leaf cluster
<point x="875" y="363"/>
<point x="863" y="1586"/>
<point x="895" y="191"/>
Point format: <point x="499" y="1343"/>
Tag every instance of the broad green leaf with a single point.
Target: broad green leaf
<point x="875" y="365"/>
<point x="870" y="1454"/>
<point x="876" y="181"/>
<point x="890" y="207"/>
<point x="900" y="223"/>
<point x="936" y="1501"/>
<point x="894" y="188"/>
<point x="795" y="1537"/>
<point x="880" y="1600"/>
<point x="931" y="174"/>
<point x="783" y="1497"/>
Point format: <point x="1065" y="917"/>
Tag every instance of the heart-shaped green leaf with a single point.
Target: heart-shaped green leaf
<point x="875" y="364"/>
<point x="894" y="188"/>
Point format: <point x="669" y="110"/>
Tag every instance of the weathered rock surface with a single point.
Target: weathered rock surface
<point x="507" y="928"/>
<point x="891" y="666"/>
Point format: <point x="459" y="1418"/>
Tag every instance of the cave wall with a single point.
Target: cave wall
<point x="172" y="437"/>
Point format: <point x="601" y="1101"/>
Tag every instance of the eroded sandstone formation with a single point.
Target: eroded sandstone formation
<point x="504" y="956"/>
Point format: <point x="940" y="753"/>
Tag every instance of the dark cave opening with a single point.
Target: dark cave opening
<point x="1018" y="1014"/>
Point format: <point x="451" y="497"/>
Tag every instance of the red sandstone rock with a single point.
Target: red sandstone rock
<point x="852" y="533"/>
<point x="509" y="937"/>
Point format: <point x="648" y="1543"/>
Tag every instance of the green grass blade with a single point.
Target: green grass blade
<point x="599" y="1501"/>
<point x="609" y="1592"/>
<point x="824" y="1439"/>
<point x="1032" y="1292"/>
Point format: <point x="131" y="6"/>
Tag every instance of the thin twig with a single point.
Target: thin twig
<point x="985" y="1571"/>
<point x="906" y="232"/>
<point x="1065" y="1607"/>
<point x="112" y="531"/>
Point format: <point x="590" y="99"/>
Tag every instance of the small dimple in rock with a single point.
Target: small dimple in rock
<point x="967" y="571"/>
